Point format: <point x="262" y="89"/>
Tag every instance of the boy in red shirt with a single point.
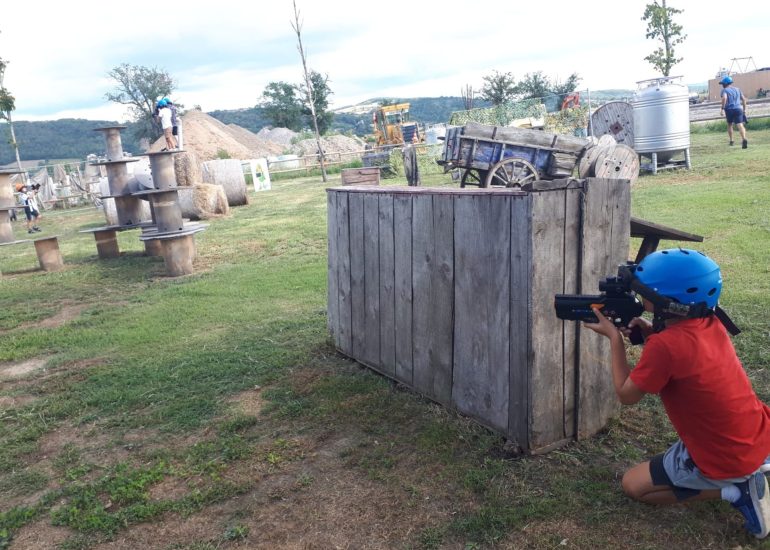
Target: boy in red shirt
<point x="689" y="359"/>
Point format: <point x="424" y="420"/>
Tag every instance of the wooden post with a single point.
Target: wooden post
<point x="178" y="253"/>
<point x="107" y="244"/>
<point x="48" y="253"/>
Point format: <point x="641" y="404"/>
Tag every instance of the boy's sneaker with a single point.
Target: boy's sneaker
<point x="732" y="143"/>
<point x="754" y="504"/>
<point x="30" y="230"/>
<point x="745" y="144"/>
<point x="36" y="229"/>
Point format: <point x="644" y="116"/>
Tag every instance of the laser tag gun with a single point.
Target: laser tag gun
<point x="616" y="302"/>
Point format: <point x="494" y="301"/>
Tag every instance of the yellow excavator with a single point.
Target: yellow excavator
<point x="392" y="126"/>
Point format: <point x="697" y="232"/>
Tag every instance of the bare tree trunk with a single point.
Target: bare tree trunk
<point x="297" y="26"/>
<point x="13" y="142"/>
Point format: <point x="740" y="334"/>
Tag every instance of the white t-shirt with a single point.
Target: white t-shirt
<point x="165" y="118"/>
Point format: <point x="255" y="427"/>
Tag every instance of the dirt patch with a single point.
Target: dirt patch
<point x="40" y="535"/>
<point x="94" y="445"/>
<point x="18" y="370"/>
<point x="67" y="313"/>
<point x="16" y="401"/>
<point x="248" y="402"/>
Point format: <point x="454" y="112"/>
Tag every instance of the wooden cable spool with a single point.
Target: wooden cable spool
<point x="606" y="140"/>
<point x="588" y="160"/>
<point x="618" y="162"/>
<point x="615" y="119"/>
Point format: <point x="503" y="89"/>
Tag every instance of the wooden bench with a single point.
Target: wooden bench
<point x="652" y="233"/>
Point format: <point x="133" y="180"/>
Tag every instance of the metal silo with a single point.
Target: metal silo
<point x="662" y="121"/>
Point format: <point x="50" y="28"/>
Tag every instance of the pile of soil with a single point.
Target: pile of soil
<point x="281" y="136"/>
<point x="209" y="139"/>
<point x="260" y="147"/>
<point x="205" y="138"/>
<point x="330" y="144"/>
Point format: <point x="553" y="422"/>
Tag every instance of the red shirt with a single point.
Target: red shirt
<point x="708" y="397"/>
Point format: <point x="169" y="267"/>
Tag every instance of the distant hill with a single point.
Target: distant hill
<point x="75" y="138"/>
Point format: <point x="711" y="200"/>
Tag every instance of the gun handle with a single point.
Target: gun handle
<point x="636" y="337"/>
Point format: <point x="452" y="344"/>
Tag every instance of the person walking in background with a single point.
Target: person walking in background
<point x="734" y="109"/>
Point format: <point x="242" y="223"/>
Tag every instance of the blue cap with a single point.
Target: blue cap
<point x="726" y="80"/>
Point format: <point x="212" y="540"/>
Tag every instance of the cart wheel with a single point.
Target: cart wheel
<point x="473" y="177"/>
<point x="511" y="173"/>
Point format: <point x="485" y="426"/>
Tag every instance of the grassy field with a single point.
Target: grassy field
<point x="211" y="411"/>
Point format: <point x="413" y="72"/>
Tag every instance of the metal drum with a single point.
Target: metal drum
<point x="661" y="117"/>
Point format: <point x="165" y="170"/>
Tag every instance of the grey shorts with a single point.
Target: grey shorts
<point x="676" y="469"/>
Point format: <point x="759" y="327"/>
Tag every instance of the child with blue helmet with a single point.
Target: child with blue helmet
<point x="689" y="360"/>
<point x="734" y="109"/>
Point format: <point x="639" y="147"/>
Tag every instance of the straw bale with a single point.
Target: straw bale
<point x="187" y="168"/>
<point x="229" y="174"/>
<point x="203" y="201"/>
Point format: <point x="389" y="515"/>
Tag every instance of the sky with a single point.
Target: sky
<point x="222" y="54"/>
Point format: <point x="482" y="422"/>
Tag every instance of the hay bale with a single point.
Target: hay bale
<point x="203" y="201"/>
<point x="229" y="174"/>
<point x="187" y="169"/>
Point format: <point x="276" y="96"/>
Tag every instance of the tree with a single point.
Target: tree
<point x="310" y="92"/>
<point x="320" y="95"/>
<point x="537" y="85"/>
<point x="467" y="95"/>
<point x="7" y="106"/>
<point x="661" y="27"/>
<point x="498" y="88"/>
<point x="140" y="88"/>
<point x="282" y="106"/>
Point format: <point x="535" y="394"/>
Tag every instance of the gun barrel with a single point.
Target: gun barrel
<point x="577" y="307"/>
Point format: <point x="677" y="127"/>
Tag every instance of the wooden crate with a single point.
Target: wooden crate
<point x="361" y="176"/>
<point x="451" y="292"/>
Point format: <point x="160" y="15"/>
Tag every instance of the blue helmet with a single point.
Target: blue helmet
<point x="162" y="103"/>
<point x="687" y="276"/>
<point x="726" y="80"/>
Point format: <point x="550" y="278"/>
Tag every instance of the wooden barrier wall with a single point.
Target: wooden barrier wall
<point x="451" y="292"/>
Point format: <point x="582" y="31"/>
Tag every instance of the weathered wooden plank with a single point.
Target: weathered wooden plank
<point x="357" y="275"/>
<point x="443" y="297"/>
<point x="387" y="275"/>
<point x="572" y="259"/>
<point x="480" y="375"/>
<point x="402" y="250"/>
<point x="361" y="176"/>
<point x="520" y="342"/>
<point x="371" y="353"/>
<point x="561" y="165"/>
<point x="606" y="245"/>
<point x="332" y="294"/>
<point x="345" y="321"/>
<point x="432" y="280"/>
<point x="547" y="361"/>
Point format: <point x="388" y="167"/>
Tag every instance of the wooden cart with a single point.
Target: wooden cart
<point x="509" y="157"/>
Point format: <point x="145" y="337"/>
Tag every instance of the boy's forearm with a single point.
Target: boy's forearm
<point x="620" y="368"/>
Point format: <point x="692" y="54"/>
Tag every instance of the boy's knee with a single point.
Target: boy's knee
<point x="631" y="487"/>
